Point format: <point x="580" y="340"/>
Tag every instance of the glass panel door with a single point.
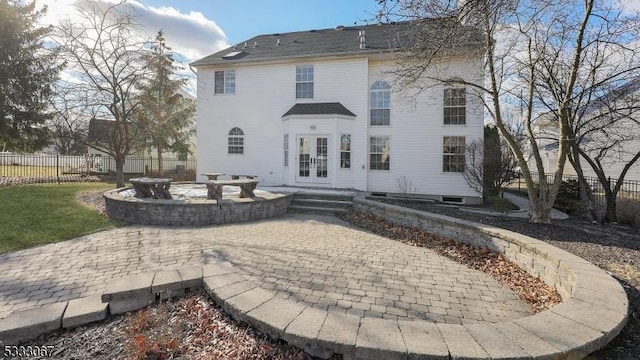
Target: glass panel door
<point x="304" y="157"/>
<point x="320" y="161"/>
<point x="312" y="159"/>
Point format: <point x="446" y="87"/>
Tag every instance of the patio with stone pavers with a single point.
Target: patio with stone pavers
<point x="319" y="261"/>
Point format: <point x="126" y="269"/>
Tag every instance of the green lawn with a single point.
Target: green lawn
<point x="32" y="215"/>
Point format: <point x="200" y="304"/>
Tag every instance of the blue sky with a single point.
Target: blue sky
<point x="197" y="28"/>
<point x="243" y="19"/>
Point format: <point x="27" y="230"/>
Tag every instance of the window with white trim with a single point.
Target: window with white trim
<point x="225" y="82"/>
<point x="304" y="82"/>
<point x="236" y="141"/>
<point x="380" y="104"/>
<point x="453" y="154"/>
<point x="455" y="106"/>
<point x="286" y="150"/>
<point x="379" y="153"/>
<point x="345" y="151"/>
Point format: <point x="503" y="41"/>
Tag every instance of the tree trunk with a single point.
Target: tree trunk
<point x="586" y="195"/>
<point x="540" y="212"/>
<point x="120" y="172"/>
<point x="160" y="162"/>
<point x="611" y="213"/>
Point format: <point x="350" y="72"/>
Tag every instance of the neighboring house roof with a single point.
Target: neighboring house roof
<point x="334" y="108"/>
<point x="343" y="40"/>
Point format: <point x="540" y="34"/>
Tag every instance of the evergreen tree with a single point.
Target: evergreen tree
<point x="164" y="113"/>
<point x="28" y="70"/>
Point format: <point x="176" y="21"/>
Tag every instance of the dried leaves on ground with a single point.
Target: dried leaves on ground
<point x="191" y="327"/>
<point x="530" y="289"/>
<point x="612" y="247"/>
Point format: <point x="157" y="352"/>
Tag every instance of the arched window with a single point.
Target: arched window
<point x="380" y="104"/>
<point x="236" y="141"/>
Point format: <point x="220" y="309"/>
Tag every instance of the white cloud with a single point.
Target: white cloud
<point x="190" y="34"/>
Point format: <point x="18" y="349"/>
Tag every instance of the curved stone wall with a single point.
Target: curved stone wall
<point x="594" y="308"/>
<point x="193" y="212"/>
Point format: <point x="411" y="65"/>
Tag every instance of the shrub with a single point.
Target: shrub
<point x="628" y="211"/>
<point x="568" y="199"/>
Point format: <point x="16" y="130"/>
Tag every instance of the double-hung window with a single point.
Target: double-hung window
<point x="380" y="104"/>
<point x="379" y="153"/>
<point x="225" y="82"/>
<point x="455" y="106"/>
<point x="453" y="154"/>
<point x="304" y="82"/>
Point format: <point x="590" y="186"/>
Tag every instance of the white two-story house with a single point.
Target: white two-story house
<point x="319" y="108"/>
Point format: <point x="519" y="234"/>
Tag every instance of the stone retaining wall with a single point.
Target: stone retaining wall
<point x="593" y="302"/>
<point x="194" y="212"/>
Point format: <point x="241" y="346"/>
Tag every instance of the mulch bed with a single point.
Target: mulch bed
<point x="191" y="327"/>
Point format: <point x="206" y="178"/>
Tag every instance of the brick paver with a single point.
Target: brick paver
<point x="319" y="261"/>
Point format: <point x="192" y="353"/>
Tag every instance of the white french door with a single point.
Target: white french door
<point x="312" y="159"/>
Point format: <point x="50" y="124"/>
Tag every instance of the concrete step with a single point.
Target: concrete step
<point x="335" y="197"/>
<point x="316" y="210"/>
<point x="337" y="204"/>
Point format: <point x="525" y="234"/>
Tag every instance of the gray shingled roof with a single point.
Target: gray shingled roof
<point x="319" y="109"/>
<point x="326" y="42"/>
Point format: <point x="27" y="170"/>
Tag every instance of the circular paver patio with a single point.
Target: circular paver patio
<point x="319" y="261"/>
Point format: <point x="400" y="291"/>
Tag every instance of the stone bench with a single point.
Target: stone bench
<point x="156" y="188"/>
<point x="212" y="176"/>
<point x="247" y="186"/>
<point x="236" y="177"/>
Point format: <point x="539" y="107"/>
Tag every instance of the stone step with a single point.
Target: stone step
<point x="337" y="204"/>
<point x="316" y="210"/>
<point x="320" y="196"/>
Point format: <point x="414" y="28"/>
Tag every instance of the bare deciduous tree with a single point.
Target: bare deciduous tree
<point x="537" y="53"/>
<point x="607" y="137"/>
<point x="104" y="54"/>
<point x="69" y="125"/>
<point x="490" y="164"/>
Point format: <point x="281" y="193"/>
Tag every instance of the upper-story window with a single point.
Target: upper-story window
<point x="455" y="106"/>
<point x="225" y="82"/>
<point x="380" y="105"/>
<point x="236" y="141"/>
<point x="304" y="82"/>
